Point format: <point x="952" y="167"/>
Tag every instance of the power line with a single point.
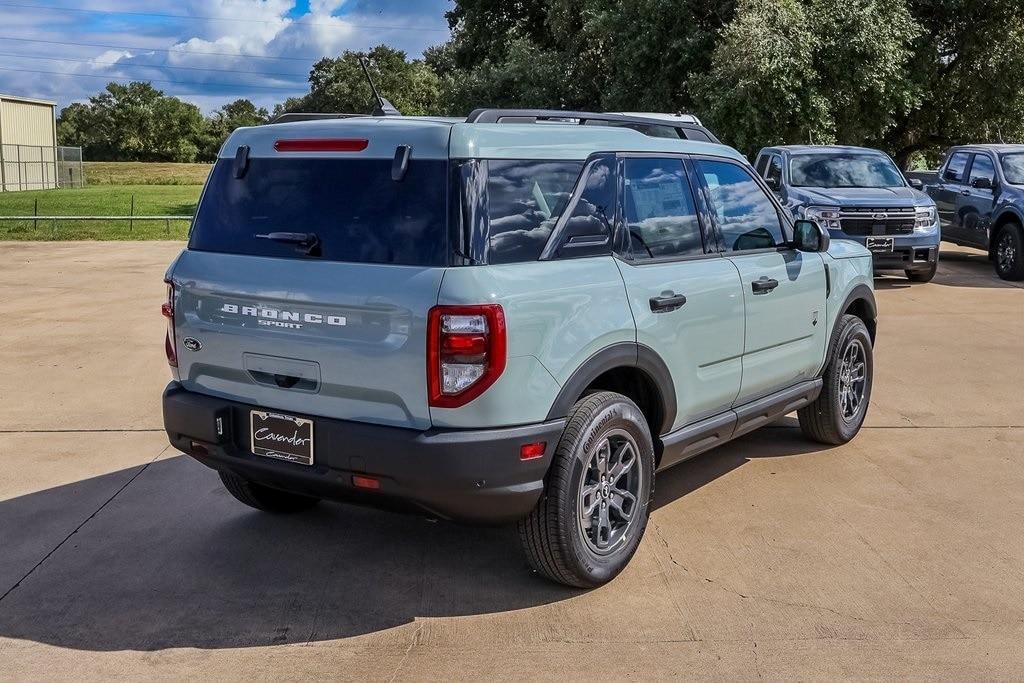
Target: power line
<point x="241" y="86"/>
<point x="157" y="49"/>
<point x="382" y="27"/>
<point x="153" y="66"/>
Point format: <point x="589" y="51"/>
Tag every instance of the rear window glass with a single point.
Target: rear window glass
<point x="524" y="201"/>
<point x="358" y="213"/>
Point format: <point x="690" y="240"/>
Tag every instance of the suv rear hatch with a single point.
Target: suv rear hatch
<point x="312" y="264"/>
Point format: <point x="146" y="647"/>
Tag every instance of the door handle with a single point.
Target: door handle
<point x="764" y="285"/>
<point x="669" y="301"/>
<point x="965" y="193"/>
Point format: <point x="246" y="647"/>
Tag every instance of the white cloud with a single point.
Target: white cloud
<point x="247" y="35"/>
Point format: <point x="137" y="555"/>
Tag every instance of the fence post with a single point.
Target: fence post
<point x="131" y="223"/>
<point x="53" y="230"/>
<point x="35" y="212"/>
<point x="167" y="226"/>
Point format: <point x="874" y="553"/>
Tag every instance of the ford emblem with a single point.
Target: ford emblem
<point x="879" y="216"/>
<point x="192" y="344"/>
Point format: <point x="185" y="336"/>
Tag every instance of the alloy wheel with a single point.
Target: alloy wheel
<point x="1006" y="253"/>
<point x="852" y="380"/>
<point x="609" y="492"/>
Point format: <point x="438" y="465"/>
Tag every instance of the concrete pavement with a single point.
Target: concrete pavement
<point x="897" y="555"/>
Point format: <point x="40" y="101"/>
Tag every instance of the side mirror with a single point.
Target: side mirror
<point x="982" y="184"/>
<point x="773" y="183"/>
<point x="809" y="236"/>
<point x="916" y="183"/>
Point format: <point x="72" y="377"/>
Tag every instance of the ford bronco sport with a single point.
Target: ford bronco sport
<point x="858" y="194"/>
<point x="500" y="322"/>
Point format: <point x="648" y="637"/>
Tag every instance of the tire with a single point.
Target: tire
<point x="830" y="418"/>
<point x="264" y="498"/>
<point x="557" y="541"/>
<point x="922" y="275"/>
<point x="1009" y="252"/>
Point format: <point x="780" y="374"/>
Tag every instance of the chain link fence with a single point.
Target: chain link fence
<point x="34" y="167"/>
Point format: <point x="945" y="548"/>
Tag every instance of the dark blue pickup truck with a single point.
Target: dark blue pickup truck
<point x="858" y="194"/>
<point x="979" y="192"/>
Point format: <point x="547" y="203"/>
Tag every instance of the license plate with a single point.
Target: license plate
<point x="879" y="244"/>
<point x="284" y="437"/>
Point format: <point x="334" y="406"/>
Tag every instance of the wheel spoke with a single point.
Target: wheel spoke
<point x="590" y="498"/>
<point x="603" y="451"/>
<point x="604" y="527"/>
<point x="624" y="459"/>
<point x="623" y="503"/>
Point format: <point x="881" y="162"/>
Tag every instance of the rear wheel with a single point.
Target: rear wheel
<point x="594" y="509"/>
<point x="1009" y="252"/>
<point x="263" y="497"/>
<point x="837" y="414"/>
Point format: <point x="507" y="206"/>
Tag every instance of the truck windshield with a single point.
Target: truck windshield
<point x="844" y="170"/>
<point x="353" y="207"/>
<point x="1013" y="168"/>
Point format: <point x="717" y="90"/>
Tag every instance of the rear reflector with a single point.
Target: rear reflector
<point x="531" y="451"/>
<point x="365" y="482"/>
<point x="325" y="145"/>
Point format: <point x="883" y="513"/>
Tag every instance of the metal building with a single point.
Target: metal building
<point x="28" y="144"/>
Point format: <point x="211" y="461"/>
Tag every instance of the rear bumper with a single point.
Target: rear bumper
<point x="464" y="475"/>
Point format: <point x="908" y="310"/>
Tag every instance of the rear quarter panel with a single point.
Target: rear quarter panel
<point x="558" y="314"/>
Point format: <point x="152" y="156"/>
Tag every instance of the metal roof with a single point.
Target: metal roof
<point x="27" y="100"/>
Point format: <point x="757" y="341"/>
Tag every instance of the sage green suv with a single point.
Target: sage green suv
<point x="496" y="321"/>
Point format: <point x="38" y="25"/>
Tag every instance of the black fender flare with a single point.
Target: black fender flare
<point x="621" y="354"/>
<point x="861" y="292"/>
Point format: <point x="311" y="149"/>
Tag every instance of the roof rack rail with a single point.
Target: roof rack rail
<point x="648" y="126"/>
<point x="292" y="117"/>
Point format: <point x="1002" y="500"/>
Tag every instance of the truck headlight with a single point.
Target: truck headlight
<point x="924" y="218"/>
<point x="826" y="216"/>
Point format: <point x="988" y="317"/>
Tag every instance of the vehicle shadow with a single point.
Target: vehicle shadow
<point x="172" y="561"/>
<point x="965" y="267"/>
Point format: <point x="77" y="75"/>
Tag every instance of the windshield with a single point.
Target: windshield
<point x="353" y="207"/>
<point x="844" y="170"/>
<point x="1013" y="168"/>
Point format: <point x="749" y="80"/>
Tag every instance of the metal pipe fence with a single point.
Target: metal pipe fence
<point x="53" y="220"/>
<point x="38" y="167"/>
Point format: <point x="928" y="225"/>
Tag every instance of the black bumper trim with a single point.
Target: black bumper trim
<point x="464" y="475"/>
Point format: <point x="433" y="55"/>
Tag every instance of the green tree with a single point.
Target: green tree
<point x="967" y="71"/>
<point x="222" y="122"/>
<point x="133" y="122"/>
<point x="337" y="84"/>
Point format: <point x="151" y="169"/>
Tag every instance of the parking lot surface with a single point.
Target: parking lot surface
<point x="900" y="554"/>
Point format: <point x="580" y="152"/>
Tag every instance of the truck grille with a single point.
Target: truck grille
<point x="889" y="221"/>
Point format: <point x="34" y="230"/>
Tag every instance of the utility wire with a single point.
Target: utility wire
<point x="383" y="27"/>
<point x="237" y="86"/>
<point x="114" y="65"/>
<point x="157" y="49"/>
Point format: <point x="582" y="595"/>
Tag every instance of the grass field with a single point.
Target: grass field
<point x="99" y="200"/>
<point x="142" y="173"/>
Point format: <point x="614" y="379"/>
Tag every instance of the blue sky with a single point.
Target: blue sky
<point x="208" y="52"/>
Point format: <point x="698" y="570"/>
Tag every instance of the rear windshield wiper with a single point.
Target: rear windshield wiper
<point x="307" y="240"/>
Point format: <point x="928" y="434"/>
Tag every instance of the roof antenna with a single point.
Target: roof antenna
<point x="383" y="107"/>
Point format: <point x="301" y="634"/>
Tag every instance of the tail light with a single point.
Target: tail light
<point x="170" y="341"/>
<point x="466" y="348"/>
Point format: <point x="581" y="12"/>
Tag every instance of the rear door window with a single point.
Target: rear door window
<point x="954" y="172"/>
<point x="659" y="210"/>
<point x="355" y="209"/>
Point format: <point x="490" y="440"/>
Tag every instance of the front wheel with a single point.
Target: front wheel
<point x="837" y="414"/>
<point x="592" y="515"/>
<point x="922" y="275"/>
<point x="1009" y="252"/>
